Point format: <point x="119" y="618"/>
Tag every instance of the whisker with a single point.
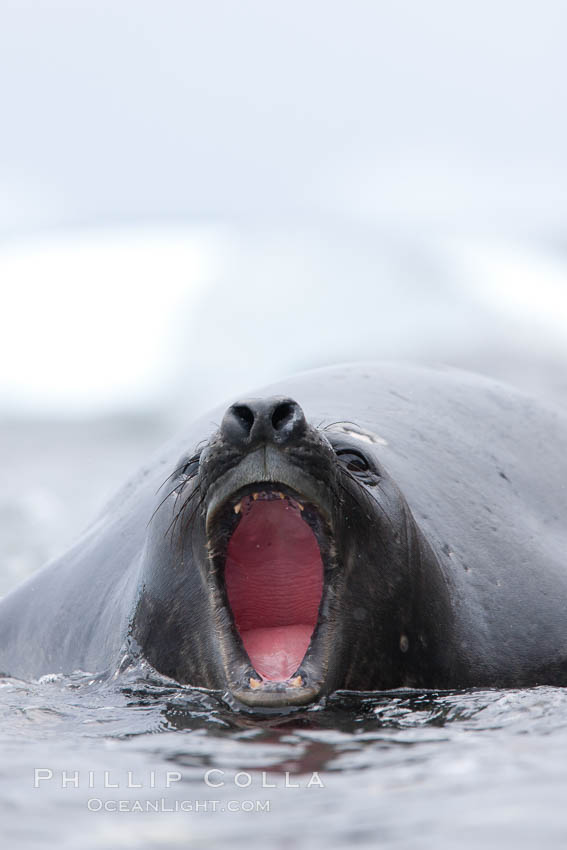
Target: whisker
<point x="340" y="422"/>
<point x="163" y="501"/>
<point x="179" y="487"/>
<point x="186" y="520"/>
<point x="171" y="475"/>
<point x="193" y="459"/>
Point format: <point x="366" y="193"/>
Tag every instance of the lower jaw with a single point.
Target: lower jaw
<point x="306" y="684"/>
<point x="276" y="695"/>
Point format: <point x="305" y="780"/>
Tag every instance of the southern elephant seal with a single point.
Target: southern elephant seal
<point x="367" y="526"/>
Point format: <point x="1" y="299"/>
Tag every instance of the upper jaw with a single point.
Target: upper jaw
<point x="269" y="467"/>
<point x="266" y="465"/>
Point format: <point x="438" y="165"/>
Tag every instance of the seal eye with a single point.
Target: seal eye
<point x="353" y="460"/>
<point x="191" y="467"/>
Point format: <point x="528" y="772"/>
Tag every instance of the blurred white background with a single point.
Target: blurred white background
<point x="199" y="197"/>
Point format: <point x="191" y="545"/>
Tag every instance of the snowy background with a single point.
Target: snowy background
<point x="196" y="198"/>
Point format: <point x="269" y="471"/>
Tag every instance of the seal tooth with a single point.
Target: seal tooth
<point x="255" y="496"/>
<point x="296" y="682"/>
<point x="281" y="495"/>
<point x="255" y="683"/>
<point x="238" y="507"/>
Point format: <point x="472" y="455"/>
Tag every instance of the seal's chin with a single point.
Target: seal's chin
<point x="270" y="549"/>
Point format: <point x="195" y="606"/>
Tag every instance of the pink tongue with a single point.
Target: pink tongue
<point x="274" y="581"/>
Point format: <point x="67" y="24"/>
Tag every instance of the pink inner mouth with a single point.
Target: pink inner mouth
<point x="274" y="581"/>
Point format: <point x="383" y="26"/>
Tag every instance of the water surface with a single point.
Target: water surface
<point x="137" y="761"/>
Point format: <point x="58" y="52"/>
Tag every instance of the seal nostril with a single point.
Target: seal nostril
<point x="251" y="421"/>
<point x="282" y="414"/>
<point x="244" y="415"/>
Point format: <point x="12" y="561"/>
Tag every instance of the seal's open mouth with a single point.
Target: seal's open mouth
<point x="274" y="581"/>
<point x="271" y="553"/>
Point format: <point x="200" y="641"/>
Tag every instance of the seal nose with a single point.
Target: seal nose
<point x="275" y="420"/>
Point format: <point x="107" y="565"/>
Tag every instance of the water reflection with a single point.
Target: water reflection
<point x="353" y="767"/>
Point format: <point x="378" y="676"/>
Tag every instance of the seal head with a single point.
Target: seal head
<point x="285" y="563"/>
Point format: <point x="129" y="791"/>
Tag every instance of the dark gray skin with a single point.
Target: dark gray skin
<point x="440" y="501"/>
